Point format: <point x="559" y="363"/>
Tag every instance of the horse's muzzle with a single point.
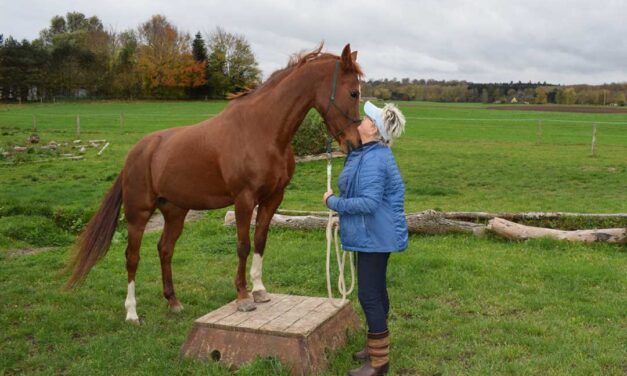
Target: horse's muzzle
<point x="349" y="146"/>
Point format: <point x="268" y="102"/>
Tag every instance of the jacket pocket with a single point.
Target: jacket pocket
<point x="353" y="232"/>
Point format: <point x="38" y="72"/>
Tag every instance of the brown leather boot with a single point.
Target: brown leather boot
<point x="378" y="351"/>
<point x="362" y="355"/>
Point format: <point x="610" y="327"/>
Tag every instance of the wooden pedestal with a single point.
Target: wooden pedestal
<point x="297" y="330"/>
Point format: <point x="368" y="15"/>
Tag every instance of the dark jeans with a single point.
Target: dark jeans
<point x="372" y="289"/>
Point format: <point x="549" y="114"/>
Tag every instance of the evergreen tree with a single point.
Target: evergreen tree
<point x="22" y="69"/>
<point x="199" y="50"/>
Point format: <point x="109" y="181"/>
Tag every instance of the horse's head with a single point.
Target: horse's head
<point x="337" y="99"/>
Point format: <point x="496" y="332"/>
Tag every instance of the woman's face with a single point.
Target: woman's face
<point x="367" y="130"/>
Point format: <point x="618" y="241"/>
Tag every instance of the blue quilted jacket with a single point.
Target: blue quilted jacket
<point x="371" y="202"/>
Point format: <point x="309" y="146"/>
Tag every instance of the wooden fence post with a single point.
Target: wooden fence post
<point x="594" y="139"/>
<point x="539" y="132"/>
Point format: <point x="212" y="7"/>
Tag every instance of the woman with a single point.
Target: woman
<point x="372" y="223"/>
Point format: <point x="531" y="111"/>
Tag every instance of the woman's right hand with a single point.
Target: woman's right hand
<point x="326" y="195"/>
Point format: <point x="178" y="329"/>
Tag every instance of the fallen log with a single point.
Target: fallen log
<point x="427" y="222"/>
<point x="473" y="216"/>
<point x="436" y="223"/>
<point x="308" y="158"/>
<point x="517" y="231"/>
<point x="433" y="223"/>
<point x="477" y="216"/>
<point x="288" y="221"/>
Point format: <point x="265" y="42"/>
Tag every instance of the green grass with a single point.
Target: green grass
<point x="460" y="304"/>
<point x="447" y="161"/>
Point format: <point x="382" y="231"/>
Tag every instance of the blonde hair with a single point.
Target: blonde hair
<point x="393" y="123"/>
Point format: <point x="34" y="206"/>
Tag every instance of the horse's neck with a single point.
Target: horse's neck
<point x="289" y="102"/>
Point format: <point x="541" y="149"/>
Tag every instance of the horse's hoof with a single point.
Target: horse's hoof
<point x="134" y="321"/>
<point x="176" y="308"/>
<point x="261" y="296"/>
<point x="246" y="305"/>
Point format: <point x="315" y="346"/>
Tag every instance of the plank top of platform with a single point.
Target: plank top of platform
<point x="287" y="315"/>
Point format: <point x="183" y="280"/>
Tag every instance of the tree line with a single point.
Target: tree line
<point x="76" y="57"/>
<point x="518" y="92"/>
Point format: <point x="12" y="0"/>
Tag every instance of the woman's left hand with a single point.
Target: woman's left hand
<point x="326" y="196"/>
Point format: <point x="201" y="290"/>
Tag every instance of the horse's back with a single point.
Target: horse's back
<point x="205" y="165"/>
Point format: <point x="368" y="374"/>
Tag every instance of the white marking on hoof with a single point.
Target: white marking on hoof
<point x="131" y="304"/>
<point x="255" y="273"/>
<point x="261" y="296"/>
<point x="178" y="308"/>
<point x="246" y="305"/>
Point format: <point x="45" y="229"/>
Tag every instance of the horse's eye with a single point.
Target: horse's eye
<point x="354" y="93"/>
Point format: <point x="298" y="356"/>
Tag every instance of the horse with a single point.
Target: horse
<point x="240" y="157"/>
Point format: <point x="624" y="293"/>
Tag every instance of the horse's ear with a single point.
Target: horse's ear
<point x="347" y="58"/>
<point x="354" y="56"/>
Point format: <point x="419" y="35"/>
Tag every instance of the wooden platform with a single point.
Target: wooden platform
<point x="297" y="330"/>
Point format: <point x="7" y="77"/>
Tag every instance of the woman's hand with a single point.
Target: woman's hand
<point x="326" y="196"/>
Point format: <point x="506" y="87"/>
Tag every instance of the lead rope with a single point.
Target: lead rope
<point x="332" y="237"/>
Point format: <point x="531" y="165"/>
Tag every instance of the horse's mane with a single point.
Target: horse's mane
<point x="296" y="61"/>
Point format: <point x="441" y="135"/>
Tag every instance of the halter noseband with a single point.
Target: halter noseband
<point x="336" y="72"/>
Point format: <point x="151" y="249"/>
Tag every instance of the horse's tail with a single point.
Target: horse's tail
<point x="94" y="241"/>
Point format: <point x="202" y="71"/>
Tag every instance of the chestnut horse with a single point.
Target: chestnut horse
<point x="242" y="156"/>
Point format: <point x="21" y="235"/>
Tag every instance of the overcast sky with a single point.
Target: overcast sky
<point x="565" y="42"/>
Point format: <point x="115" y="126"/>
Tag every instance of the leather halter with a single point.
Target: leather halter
<point x="332" y="103"/>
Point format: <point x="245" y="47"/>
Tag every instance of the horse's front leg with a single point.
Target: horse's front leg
<point x="244" y="205"/>
<point x="265" y="211"/>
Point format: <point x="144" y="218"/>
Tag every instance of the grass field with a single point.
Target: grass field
<point x="460" y="304"/>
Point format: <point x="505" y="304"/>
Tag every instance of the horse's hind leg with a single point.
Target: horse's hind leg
<point x="174" y="221"/>
<point x="137" y="219"/>
<point x="264" y="216"/>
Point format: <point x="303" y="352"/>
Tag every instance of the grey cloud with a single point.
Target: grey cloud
<point x="486" y="40"/>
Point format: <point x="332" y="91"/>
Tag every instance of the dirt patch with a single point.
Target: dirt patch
<point x="156" y="222"/>
<point x="562" y="108"/>
<point x="28" y="251"/>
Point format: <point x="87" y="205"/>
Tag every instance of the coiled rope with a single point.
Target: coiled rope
<point x="332" y="237"/>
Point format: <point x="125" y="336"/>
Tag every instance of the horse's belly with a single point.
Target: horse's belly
<point x="193" y="187"/>
<point x="192" y="194"/>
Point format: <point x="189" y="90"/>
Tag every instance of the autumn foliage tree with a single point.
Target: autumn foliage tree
<point x="76" y="56"/>
<point x="566" y="95"/>
<point x="164" y="60"/>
